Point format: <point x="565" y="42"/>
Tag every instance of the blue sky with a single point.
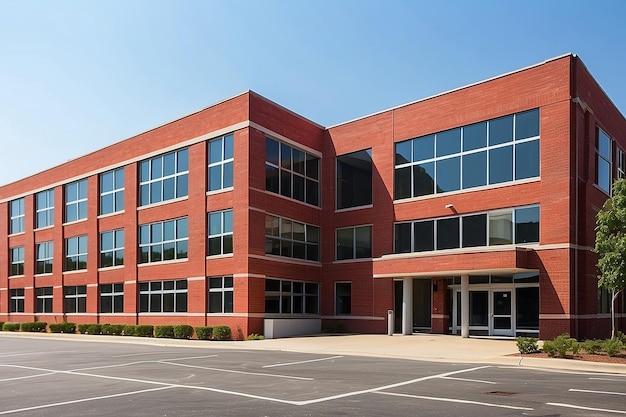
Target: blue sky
<point x="76" y="76"/>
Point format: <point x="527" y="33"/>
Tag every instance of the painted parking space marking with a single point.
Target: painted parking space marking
<point x="597" y="392"/>
<point x="232" y="371"/>
<point x="9" y="355"/>
<point x="456" y="400"/>
<point x="607" y="379"/>
<point x="139" y="354"/>
<point x="118" y="365"/>
<point x="26" y="377"/>
<point x="301" y="362"/>
<point x="468" y="380"/>
<point x="578" y="407"/>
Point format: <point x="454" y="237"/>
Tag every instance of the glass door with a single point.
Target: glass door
<point x="501" y="316"/>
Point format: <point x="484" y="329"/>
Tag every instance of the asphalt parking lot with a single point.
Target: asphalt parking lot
<point x="41" y="377"/>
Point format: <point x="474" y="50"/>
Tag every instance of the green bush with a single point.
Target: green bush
<point x="130" y="330"/>
<point x="63" y="327"/>
<point x="621" y="336"/>
<point x="527" y="345"/>
<point x="164" y="331"/>
<point x="592" y="346"/>
<point x="11" y="327"/>
<point x="549" y="348"/>
<point x="1" y="324"/>
<point x="564" y="344"/>
<point x="94" y="329"/>
<point x="36" y="326"/>
<point x="255" y="336"/>
<point x="113" y="329"/>
<point x="82" y="328"/>
<point x="204" y="332"/>
<point x="335" y="327"/>
<point x="221" y="333"/>
<point x="612" y="346"/>
<point x="183" y="331"/>
<point x="144" y="330"/>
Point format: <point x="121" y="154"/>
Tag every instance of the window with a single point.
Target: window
<point x="621" y="164"/>
<point x="112" y="191"/>
<point x="354" y="179"/>
<point x="604" y="300"/>
<point x="163" y="241"/>
<point x="76" y="299"/>
<point x="220" y="232"/>
<point x="45" y="253"/>
<point x="291" y="297"/>
<point x="44" y="300"/>
<point x="221" y="295"/>
<point x="490" y="152"/>
<point x="76" y="253"/>
<point x="291" y="172"/>
<point x="45" y="209"/>
<point x="16" y="214"/>
<point x="354" y="242"/>
<point x="221" y="163"/>
<point x="164" y="177"/>
<point x="284" y="237"/>
<point x="163" y="296"/>
<point x="603" y="161"/>
<point x="76" y="201"/>
<point x="112" y="248"/>
<point x="343" y="298"/>
<point x="17" y="300"/>
<point x="112" y="298"/>
<point x="17" y="261"/>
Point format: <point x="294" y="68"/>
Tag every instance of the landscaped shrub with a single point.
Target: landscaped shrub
<point x="63" y="327"/>
<point x="164" y="331"/>
<point x="549" y="348"/>
<point x="36" y="326"/>
<point x="1" y="324"/>
<point x="221" y="333"/>
<point x="255" y="336"/>
<point x="82" y="328"/>
<point x="113" y="329"/>
<point x="612" y="346"/>
<point x="94" y="329"/>
<point x="564" y="344"/>
<point x="204" y="332"/>
<point x="621" y="336"/>
<point x="183" y="331"/>
<point x="144" y="330"/>
<point x="592" y="346"/>
<point x="11" y="327"/>
<point x="527" y="345"/>
<point x="130" y="330"/>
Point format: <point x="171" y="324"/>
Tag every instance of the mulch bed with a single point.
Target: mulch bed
<point x="587" y="357"/>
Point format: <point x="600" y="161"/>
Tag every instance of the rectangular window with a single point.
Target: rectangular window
<point x="76" y="253"/>
<point x="354" y="243"/>
<point x="16" y="214"/>
<point x="604" y="301"/>
<point x="291" y="172"/>
<point x="221" y="151"/>
<point x="527" y="225"/>
<point x="163" y="241"/>
<point x="112" y="191"/>
<point x="45" y="254"/>
<point x="343" y="298"/>
<point x="44" y="300"/>
<point x="284" y="237"/>
<point x="76" y="299"/>
<point x="291" y="297"/>
<point x="603" y="160"/>
<point x="164" y="177"/>
<point x="621" y="164"/>
<point x="76" y="201"/>
<point x="112" y="248"/>
<point x="112" y="298"/>
<point x="16" y="299"/>
<point x="354" y="179"/>
<point x="220" y="232"/>
<point x="221" y="295"/>
<point x="17" y="261"/>
<point x="163" y="296"/>
<point x="45" y="209"/>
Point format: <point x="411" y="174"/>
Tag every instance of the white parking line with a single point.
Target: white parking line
<point x="139" y="354"/>
<point x="26" y="377"/>
<point x="456" y="400"/>
<point x="299" y="362"/>
<point x="35" y="353"/>
<point x="607" y="379"/>
<point x="597" y="392"/>
<point x="236" y="372"/>
<point x="468" y="380"/>
<point x="117" y="365"/>
<point x="604" y="410"/>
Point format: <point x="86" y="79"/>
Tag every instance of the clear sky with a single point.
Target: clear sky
<point x="76" y="76"/>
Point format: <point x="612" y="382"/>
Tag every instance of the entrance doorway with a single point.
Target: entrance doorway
<point x="501" y="322"/>
<point x="421" y="313"/>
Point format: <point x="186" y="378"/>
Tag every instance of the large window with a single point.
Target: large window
<point x="491" y="152"/>
<point x="45" y="209"/>
<point x="221" y="163"/>
<point x="291" y="297"/>
<point x="603" y="161"/>
<point x="16" y="215"/>
<point x="220" y="232"/>
<point x="76" y="299"/>
<point x="112" y="191"/>
<point x="17" y="261"/>
<point x="164" y="177"/>
<point x="354" y="179"/>
<point x="76" y="201"/>
<point x="343" y="298"/>
<point x="354" y="242"/>
<point x="284" y="237"/>
<point x="501" y="227"/>
<point x="221" y="295"/>
<point x="163" y="296"/>
<point x="44" y="300"/>
<point x="16" y="299"/>
<point x="291" y="172"/>
<point x="163" y="241"/>
<point x="112" y="298"/>
<point x="45" y="254"/>
<point x="112" y="248"/>
<point x="76" y="253"/>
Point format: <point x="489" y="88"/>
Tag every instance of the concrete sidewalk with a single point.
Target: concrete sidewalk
<point x="424" y="347"/>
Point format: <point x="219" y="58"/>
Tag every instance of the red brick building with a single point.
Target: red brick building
<point x="470" y="212"/>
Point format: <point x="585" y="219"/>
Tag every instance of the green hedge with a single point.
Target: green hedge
<point x="164" y="331"/>
<point x="1" y="324"/>
<point x="82" y="328"/>
<point x="144" y="330"/>
<point x="221" y="333"/>
<point x="63" y="327"/>
<point x="11" y="327"/>
<point x="34" y="326"/>
<point x="183" y="331"/>
<point x="113" y="329"/>
<point x="94" y="329"/>
<point x="129" y="330"/>
<point x="204" y="332"/>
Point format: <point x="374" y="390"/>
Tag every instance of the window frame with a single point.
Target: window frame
<point x="227" y="294"/>
<point x="47" y="210"/>
<point x="16" y="261"/>
<point x="340" y="311"/>
<point x="48" y="259"/>
<point x="44" y="303"/>
<point x="77" y="257"/>
<point x="176" y="241"/>
<point x="224" y="162"/>
<point x="305" y="296"/>
<point x="16" y="219"/>
<point x="223" y="235"/>
<point x="176" y="178"/>
<point x="311" y="247"/>
<point x="76" y="203"/>
<point x="76" y="298"/>
<point x="369" y="189"/>
<point x="355" y="248"/>
<point x="16" y="300"/>
<point x="114" y="294"/>
<point x="150" y="294"/>
<point x="117" y="234"/>
<point x="116" y="193"/>
<point x="604" y="159"/>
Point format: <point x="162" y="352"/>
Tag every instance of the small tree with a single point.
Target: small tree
<point x="611" y="245"/>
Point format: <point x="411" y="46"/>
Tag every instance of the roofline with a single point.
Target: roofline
<point x="262" y="97"/>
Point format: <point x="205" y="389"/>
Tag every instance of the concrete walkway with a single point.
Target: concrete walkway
<point x="425" y="347"/>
